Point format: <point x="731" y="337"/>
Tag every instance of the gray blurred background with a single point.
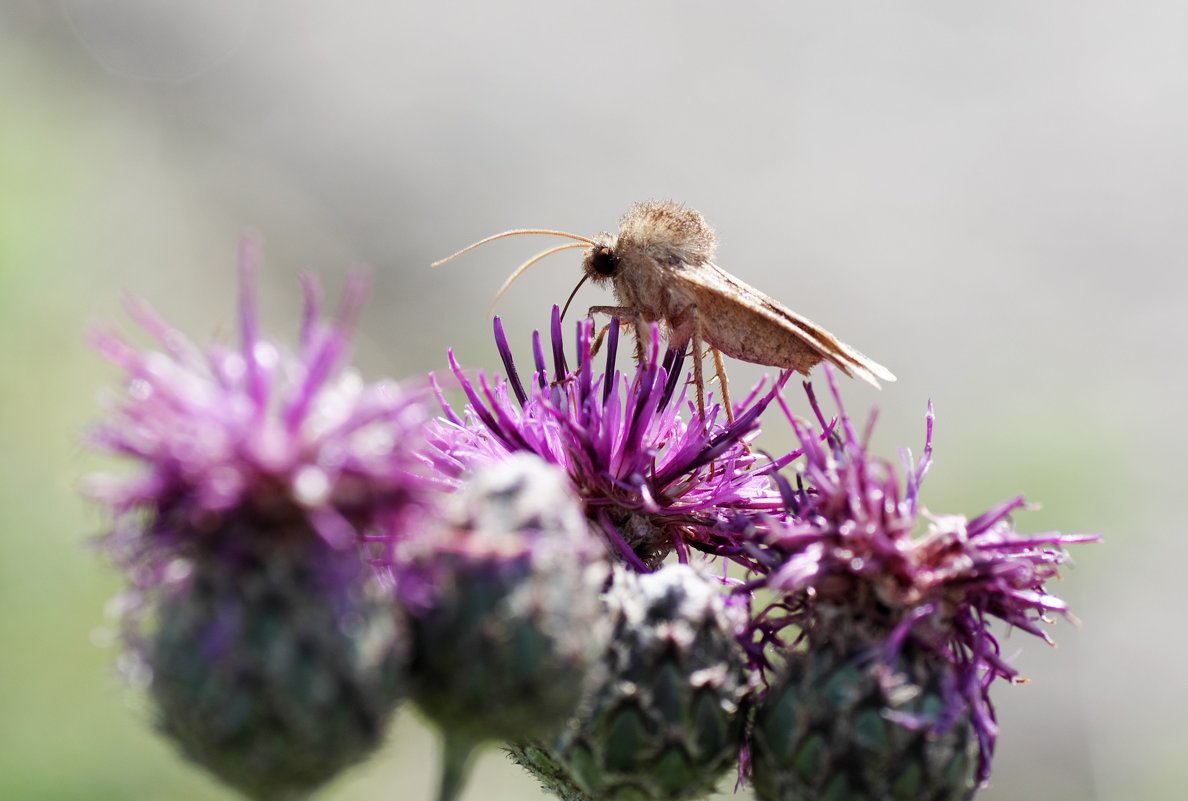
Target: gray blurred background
<point x="989" y="198"/>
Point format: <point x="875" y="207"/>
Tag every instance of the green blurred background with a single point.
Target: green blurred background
<point x="988" y="198"/>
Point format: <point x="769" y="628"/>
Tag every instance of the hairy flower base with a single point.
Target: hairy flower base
<point x="273" y="666"/>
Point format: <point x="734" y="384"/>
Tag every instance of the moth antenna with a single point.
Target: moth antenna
<point x="520" y="270"/>
<point x="573" y="294"/>
<point x="516" y="232"/>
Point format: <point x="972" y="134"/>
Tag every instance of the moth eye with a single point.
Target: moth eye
<point x="603" y="261"/>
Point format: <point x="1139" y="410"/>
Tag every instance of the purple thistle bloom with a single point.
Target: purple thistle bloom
<point x="253" y="427"/>
<point x="274" y="659"/>
<point x="846" y="557"/>
<point x="651" y="480"/>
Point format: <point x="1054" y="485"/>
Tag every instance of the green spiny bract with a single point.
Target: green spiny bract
<point x="841" y="724"/>
<point x="273" y="665"/>
<point x="666" y="721"/>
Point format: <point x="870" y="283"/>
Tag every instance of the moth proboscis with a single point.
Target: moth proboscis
<point x="661" y="267"/>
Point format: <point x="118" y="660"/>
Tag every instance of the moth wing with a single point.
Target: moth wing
<point x="742" y="322"/>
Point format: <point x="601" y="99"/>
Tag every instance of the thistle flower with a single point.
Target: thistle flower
<point x="274" y="661"/>
<point x="506" y="610"/>
<point x="666" y="719"/>
<point x="651" y="480"/>
<point x="888" y="697"/>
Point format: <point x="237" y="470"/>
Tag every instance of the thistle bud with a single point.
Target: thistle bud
<point x="506" y="613"/>
<point x="274" y="664"/>
<point x="842" y="724"/>
<point x="667" y="718"/>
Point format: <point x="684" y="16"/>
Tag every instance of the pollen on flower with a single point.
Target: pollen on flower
<point x="311" y="486"/>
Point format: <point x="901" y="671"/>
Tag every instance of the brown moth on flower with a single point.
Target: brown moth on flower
<point x="661" y="268"/>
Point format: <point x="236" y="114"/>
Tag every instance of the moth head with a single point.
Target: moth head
<point x="601" y="262"/>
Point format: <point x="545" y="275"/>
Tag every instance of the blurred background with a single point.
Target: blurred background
<point x="989" y="198"/>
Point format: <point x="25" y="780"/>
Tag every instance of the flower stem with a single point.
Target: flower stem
<point x="455" y="768"/>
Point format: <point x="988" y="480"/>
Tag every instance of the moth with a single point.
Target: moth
<point x="660" y="266"/>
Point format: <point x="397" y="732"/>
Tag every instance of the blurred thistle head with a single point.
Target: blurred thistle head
<point x="901" y="618"/>
<point x="254" y="429"/>
<point x="257" y="475"/>
<point x="653" y="477"/>
<point x="504" y="599"/>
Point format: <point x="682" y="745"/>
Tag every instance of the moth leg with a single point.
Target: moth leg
<point x="627" y="316"/>
<point x="698" y="378"/>
<point x="720" y="369"/>
<point x="642" y="335"/>
<point x="597" y="346"/>
<point x="686" y="326"/>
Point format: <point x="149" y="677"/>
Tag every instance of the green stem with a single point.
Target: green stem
<point x="455" y="765"/>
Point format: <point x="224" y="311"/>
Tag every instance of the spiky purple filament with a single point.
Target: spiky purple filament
<point x="650" y="480"/>
<point x="253" y="430"/>
<point x="849" y="543"/>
